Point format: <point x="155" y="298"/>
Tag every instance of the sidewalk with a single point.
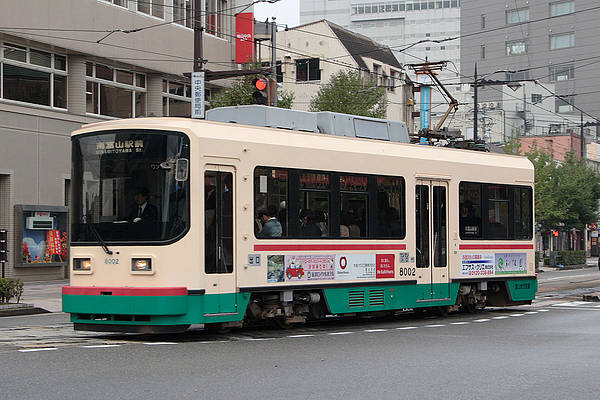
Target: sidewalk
<point x="38" y="297"/>
<point x="591" y="262"/>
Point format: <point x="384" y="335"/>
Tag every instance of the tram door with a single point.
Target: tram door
<point x="219" y="245"/>
<point x="432" y="238"/>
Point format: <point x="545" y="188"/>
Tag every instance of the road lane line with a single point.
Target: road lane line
<point x="516" y="315"/>
<point x="159" y="343"/>
<point x="101" y="346"/>
<point x="403" y="328"/>
<point x="501" y="317"/>
<point x="375" y="330"/>
<point x="543" y="310"/>
<point x="41" y="349"/>
<point x="259" y="339"/>
<point x="300" y="336"/>
<point x="482" y="320"/>
<point x="434" y="326"/>
<point x="460" y="323"/>
<point x="339" y="333"/>
<point x="531" y="312"/>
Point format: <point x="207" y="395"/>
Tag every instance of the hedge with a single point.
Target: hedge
<point x="573" y="257"/>
<point x="10" y="289"/>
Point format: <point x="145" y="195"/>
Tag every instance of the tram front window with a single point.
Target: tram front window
<point x="125" y="187"/>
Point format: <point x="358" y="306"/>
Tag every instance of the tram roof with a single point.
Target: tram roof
<point x="299" y="139"/>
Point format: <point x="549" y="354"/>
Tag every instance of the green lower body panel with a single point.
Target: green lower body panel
<point x="522" y="289"/>
<point x="382" y="298"/>
<point x="156" y="310"/>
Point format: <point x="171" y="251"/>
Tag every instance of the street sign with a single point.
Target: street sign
<point x="198" y="94"/>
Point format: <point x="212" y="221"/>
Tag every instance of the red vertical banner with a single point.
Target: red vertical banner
<point x="244" y="38"/>
<point x="53" y="242"/>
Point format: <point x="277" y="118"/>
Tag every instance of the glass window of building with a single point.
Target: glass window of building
<point x="516" y="47"/>
<point x="564" y="104"/>
<point x="183" y="13"/>
<point x="562" y="8"/>
<point x="215" y="19"/>
<point x="152" y="7"/>
<point x="33" y="76"/>
<point x="177" y="100"/>
<point x="517" y="16"/>
<point x="562" y="40"/>
<point x="562" y="73"/>
<point x="308" y="70"/>
<point x="114" y="92"/>
<point x="120" y="3"/>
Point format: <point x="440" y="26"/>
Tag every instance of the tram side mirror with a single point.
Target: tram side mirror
<point x="182" y="169"/>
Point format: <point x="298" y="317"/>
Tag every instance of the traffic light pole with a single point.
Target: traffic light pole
<point x="198" y="31"/>
<point x="274" y="62"/>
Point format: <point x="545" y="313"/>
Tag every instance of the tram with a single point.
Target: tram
<point x="169" y="226"/>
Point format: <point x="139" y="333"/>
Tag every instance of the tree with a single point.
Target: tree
<point x="349" y="92"/>
<point x="240" y="93"/>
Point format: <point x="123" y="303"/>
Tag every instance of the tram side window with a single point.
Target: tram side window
<point x="354" y="204"/>
<point x="470" y="211"/>
<point x="523" y="213"/>
<point x="271" y="188"/>
<point x="391" y="211"/>
<point x="314" y="205"/>
<point x="498" y="224"/>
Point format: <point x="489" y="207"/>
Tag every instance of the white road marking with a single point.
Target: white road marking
<point x="531" y="312"/>
<point x="101" y="346"/>
<point x="375" y="330"/>
<point x="159" y="343"/>
<point x="543" y="310"/>
<point x="571" y="304"/>
<point x="339" y="333"/>
<point x="41" y="349"/>
<point x="299" y="336"/>
<point x="501" y="317"/>
<point x="482" y="320"/>
<point x="460" y="323"/>
<point x="516" y="315"/>
<point x="403" y="328"/>
<point x="259" y="339"/>
<point x="434" y="326"/>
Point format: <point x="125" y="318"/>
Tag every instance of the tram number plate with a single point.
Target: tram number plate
<point x="111" y="261"/>
<point x="402" y="271"/>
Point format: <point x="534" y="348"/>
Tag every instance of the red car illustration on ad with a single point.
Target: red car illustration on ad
<point x="294" y="271"/>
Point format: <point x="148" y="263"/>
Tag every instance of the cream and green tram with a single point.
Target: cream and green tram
<point x="169" y="226"/>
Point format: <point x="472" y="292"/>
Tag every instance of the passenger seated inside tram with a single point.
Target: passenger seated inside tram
<point x="270" y="226"/>
<point x="349" y="227"/>
<point x="469" y="222"/>
<point x="308" y="224"/>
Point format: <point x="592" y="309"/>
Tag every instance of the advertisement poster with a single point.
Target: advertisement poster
<point x="244" y="37"/>
<point x="275" y="267"/>
<point x="477" y="264"/>
<point x="309" y="268"/>
<point x="511" y="263"/>
<point x="44" y="238"/>
<point x="364" y="266"/>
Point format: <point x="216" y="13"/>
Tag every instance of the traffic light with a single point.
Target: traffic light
<point x="261" y="88"/>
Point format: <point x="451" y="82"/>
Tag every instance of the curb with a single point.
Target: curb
<point x="11" y="310"/>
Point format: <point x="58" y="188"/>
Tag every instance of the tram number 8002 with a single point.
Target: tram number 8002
<point x="407" y="271"/>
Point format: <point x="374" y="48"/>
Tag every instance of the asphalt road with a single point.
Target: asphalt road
<point x="545" y="351"/>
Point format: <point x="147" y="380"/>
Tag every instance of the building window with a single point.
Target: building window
<point x="562" y="41"/>
<point x="483" y="21"/>
<point x="177" y="99"/>
<point x="115" y="92"/>
<point x="121" y="3"/>
<point x="308" y="70"/>
<point x="517" y="76"/>
<point x="33" y="76"/>
<point x="483" y="51"/>
<point x="562" y="8"/>
<point x="183" y="13"/>
<point x="214" y="19"/>
<point x="536" y="98"/>
<point x="517" y="16"/>
<point x="393" y="81"/>
<point x="562" y="73"/>
<point x="564" y="104"/>
<point x="516" y="47"/>
<point x="156" y="8"/>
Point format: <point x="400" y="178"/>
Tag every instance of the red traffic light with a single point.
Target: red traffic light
<point x="260" y="84"/>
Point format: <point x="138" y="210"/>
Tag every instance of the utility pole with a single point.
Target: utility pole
<point x="475" y="110"/>
<point x="524" y="111"/>
<point x="274" y="62"/>
<point x="198" y="74"/>
<point x="582" y="138"/>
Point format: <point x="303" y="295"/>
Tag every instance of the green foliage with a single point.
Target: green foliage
<point x="565" y="193"/>
<point x="513" y="145"/>
<point x="349" y="92"/>
<point x="240" y="93"/>
<point x="538" y="258"/>
<point x="573" y="257"/>
<point x="10" y="289"/>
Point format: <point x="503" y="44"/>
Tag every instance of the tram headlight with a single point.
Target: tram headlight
<point x="141" y="264"/>
<point x="82" y="264"/>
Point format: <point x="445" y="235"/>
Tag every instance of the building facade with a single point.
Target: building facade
<point x="328" y="48"/>
<point x="64" y="64"/>
<point x="551" y="41"/>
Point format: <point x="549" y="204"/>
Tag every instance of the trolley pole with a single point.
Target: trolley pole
<point x="274" y="62"/>
<point x="475" y="110"/>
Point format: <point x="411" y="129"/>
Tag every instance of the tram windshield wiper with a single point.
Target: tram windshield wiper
<point x="97" y="234"/>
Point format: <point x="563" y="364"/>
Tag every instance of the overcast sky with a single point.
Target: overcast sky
<point x="286" y="12"/>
